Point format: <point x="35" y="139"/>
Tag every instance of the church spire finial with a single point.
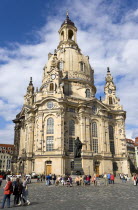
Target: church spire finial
<point x="30" y="83"/>
<point x="108" y="70"/>
<point x="67" y="14"/>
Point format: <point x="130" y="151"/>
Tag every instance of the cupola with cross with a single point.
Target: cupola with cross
<point x="68" y="33"/>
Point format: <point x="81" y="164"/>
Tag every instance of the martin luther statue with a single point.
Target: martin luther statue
<point x="78" y="147"/>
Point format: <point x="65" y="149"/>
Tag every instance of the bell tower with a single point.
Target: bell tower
<point x="110" y="92"/>
<point x="29" y="97"/>
<point x="67" y="33"/>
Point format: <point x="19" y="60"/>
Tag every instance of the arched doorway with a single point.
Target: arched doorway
<point x="48" y="168"/>
<point x="96" y="167"/>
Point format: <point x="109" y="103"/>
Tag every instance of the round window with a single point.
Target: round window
<point x="50" y="105"/>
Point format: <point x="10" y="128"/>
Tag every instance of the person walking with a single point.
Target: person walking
<point x="25" y="193"/>
<point x="53" y="178"/>
<point x="18" y="192"/>
<point x="135" y="178"/>
<point x="112" y="178"/>
<point x="15" y="190"/>
<point x="108" y="177"/>
<point x="7" y="193"/>
<point x="94" y="179"/>
<point x="105" y="179"/>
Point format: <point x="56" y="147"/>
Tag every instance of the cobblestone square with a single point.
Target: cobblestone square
<point x="120" y="196"/>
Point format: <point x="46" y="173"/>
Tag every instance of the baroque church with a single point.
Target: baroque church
<point x="64" y="108"/>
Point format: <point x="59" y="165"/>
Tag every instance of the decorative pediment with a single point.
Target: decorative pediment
<point x="99" y="104"/>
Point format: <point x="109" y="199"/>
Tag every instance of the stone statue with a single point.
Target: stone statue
<point x="78" y="147"/>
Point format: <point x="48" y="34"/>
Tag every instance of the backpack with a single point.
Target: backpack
<point x="11" y="188"/>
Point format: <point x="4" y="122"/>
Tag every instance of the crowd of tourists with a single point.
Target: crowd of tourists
<point x="17" y="187"/>
<point x="83" y="180"/>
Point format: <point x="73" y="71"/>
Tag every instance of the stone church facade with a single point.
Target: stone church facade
<point x="64" y="108"/>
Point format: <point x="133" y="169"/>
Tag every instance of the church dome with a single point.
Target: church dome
<point x="74" y="65"/>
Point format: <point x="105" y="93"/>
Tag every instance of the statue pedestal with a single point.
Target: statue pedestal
<point x="78" y="170"/>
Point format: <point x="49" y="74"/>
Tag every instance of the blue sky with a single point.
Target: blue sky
<point x="107" y="32"/>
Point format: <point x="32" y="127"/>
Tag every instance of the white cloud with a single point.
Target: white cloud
<point x="107" y="44"/>
<point x="7" y="134"/>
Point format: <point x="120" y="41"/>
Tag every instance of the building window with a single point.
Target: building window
<point x="71" y="144"/>
<point x="60" y="65"/>
<point x="51" y="88"/>
<point x="72" y="128"/>
<point x="82" y="66"/>
<point x="110" y="100"/>
<point x="111" y="132"/>
<point x="70" y="35"/>
<point x="62" y="35"/>
<point x="71" y="135"/>
<point x="49" y="143"/>
<point x="50" y="125"/>
<point x="94" y="137"/>
<point x="95" y="145"/>
<point x="94" y="129"/>
<point x="111" y="139"/>
<point x="88" y="93"/>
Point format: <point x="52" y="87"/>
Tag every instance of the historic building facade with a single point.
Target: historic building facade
<point x="64" y="108"/>
<point x="6" y="153"/>
<point x="136" y="151"/>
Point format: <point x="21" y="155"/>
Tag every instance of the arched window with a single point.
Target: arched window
<point x="71" y="135"/>
<point x="60" y="65"/>
<point x="111" y="139"/>
<point x="88" y="93"/>
<point x="62" y="35"/>
<point x="49" y="136"/>
<point x="82" y="65"/>
<point x="50" y="125"/>
<point x="72" y="128"/>
<point x="111" y="132"/>
<point x="51" y="88"/>
<point x="70" y="34"/>
<point x="94" y="137"/>
<point x="94" y="129"/>
<point x="110" y="100"/>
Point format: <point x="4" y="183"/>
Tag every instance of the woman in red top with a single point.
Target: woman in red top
<point x="112" y="178"/>
<point x="7" y="193"/>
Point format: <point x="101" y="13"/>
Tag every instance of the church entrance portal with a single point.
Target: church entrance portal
<point x="48" y="167"/>
<point x="96" y="167"/>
